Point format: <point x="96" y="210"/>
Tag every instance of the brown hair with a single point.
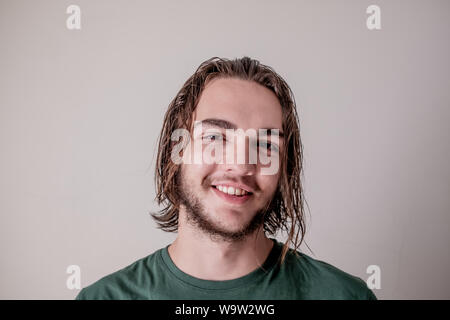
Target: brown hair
<point x="286" y="211"/>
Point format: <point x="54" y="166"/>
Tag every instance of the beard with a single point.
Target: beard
<point x="197" y="216"/>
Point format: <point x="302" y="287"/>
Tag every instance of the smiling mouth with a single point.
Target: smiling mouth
<point x="233" y="192"/>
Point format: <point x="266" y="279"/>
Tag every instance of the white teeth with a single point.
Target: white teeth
<point x="232" y="190"/>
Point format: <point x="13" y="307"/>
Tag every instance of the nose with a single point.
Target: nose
<point x="240" y="159"/>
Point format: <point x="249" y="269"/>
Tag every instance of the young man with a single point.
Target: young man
<point x="224" y="209"/>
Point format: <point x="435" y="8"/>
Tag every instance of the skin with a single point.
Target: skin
<point x="218" y="240"/>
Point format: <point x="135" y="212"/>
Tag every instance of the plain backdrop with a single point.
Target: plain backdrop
<point x="81" y="111"/>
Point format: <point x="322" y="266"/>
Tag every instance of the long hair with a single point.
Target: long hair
<point x="286" y="210"/>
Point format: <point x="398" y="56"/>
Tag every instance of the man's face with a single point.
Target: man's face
<point x="208" y="205"/>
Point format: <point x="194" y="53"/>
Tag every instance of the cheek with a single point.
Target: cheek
<point x="268" y="183"/>
<point x="197" y="172"/>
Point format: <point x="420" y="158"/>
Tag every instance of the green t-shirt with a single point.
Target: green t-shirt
<point x="299" y="277"/>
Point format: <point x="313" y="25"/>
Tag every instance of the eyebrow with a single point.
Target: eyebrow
<point x="224" y="124"/>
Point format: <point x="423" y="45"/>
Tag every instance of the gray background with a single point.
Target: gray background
<point x="81" y="111"/>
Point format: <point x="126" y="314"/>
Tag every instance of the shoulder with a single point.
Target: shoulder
<point x="126" y="283"/>
<point x="325" y="281"/>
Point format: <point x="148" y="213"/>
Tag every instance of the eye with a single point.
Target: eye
<point x="268" y="146"/>
<point x="212" y="137"/>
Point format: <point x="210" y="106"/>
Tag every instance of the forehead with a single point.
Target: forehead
<point x="244" y="103"/>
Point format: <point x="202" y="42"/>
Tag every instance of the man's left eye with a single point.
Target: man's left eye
<point x="267" y="145"/>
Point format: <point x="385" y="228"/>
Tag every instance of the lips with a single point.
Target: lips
<point x="228" y="183"/>
<point x="234" y="191"/>
<point x="232" y="198"/>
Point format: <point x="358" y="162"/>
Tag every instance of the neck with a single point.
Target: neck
<point x="198" y="255"/>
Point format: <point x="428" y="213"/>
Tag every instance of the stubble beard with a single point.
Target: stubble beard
<point x="197" y="217"/>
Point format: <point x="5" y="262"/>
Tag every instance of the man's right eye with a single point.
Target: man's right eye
<point x="212" y="137"/>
